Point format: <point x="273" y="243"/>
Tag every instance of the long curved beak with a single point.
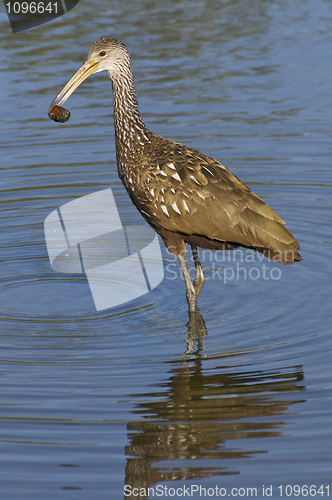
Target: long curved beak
<point x="87" y="69"/>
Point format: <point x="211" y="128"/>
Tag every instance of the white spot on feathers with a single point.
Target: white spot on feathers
<point x="164" y="209"/>
<point x="195" y="180"/>
<point x="175" y="207"/>
<point x="185" y="205"/>
<point x="209" y="171"/>
<point x="176" y="176"/>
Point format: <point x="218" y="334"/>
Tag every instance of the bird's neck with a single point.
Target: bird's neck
<point x="130" y="131"/>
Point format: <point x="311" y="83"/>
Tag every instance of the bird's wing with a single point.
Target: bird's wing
<point x="191" y="193"/>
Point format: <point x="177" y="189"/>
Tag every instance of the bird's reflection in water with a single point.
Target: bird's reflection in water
<point x="200" y="410"/>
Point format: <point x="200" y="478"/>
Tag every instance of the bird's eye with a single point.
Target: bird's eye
<point x="102" y="53"/>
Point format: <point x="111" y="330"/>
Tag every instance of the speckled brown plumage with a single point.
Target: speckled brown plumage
<point x="202" y="201"/>
<point x="183" y="194"/>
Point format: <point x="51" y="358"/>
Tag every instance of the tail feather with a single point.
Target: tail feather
<point x="281" y="256"/>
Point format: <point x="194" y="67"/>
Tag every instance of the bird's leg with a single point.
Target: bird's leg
<point x="191" y="294"/>
<point x="199" y="278"/>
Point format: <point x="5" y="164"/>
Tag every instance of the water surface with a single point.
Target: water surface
<point x="134" y="395"/>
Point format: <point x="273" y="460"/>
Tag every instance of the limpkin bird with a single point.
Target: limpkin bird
<point x="186" y="196"/>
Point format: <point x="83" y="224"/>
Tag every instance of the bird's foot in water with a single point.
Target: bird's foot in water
<point x="196" y="325"/>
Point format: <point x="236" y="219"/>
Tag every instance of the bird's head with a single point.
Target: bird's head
<point x="106" y="54"/>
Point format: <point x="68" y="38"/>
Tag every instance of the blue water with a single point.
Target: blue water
<point x="91" y="401"/>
